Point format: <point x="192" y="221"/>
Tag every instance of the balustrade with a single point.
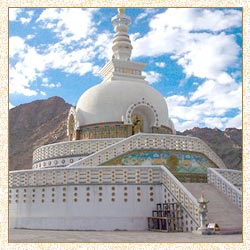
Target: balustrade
<point x="71" y="148"/>
<point x="151" y="141"/>
<point x="187" y="200"/>
<point x="110" y="148"/>
<point x="226" y="187"/>
<point x="233" y="176"/>
<point x="78" y="175"/>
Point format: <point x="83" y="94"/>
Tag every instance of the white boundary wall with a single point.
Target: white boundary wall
<point x="95" y="198"/>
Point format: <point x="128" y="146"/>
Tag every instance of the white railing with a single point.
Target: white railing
<point x="89" y="175"/>
<point x="188" y="201"/>
<point x="71" y="148"/>
<point x="150" y="141"/>
<point x="221" y="183"/>
<point x="233" y="176"/>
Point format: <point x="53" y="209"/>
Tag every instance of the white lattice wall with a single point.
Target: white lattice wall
<point x="65" y="151"/>
<point x="233" y="176"/>
<point x="103" y="150"/>
<point x="150" y="141"/>
<point x="99" y="175"/>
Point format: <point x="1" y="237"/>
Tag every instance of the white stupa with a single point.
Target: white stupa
<point x="122" y="95"/>
<point x="123" y="166"/>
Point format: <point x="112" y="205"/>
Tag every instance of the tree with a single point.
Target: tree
<point x="172" y="162"/>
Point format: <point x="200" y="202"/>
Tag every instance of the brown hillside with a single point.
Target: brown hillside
<point x="226" y="144"/>
<point x="33" y="125"/>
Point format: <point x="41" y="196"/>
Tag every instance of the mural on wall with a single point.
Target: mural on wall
<point x="187" y="162"/>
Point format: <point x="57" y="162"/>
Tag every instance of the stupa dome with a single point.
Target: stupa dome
<point x="118" y="100"/>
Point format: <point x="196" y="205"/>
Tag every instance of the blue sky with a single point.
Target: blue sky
<point x="193" y="57"/>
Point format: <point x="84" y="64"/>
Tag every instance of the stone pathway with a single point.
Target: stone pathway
<point x="39" y="236"/>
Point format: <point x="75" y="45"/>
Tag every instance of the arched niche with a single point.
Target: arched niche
<point x="142" y="117"/>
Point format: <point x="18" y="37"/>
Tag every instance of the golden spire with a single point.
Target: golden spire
<point x="121" y="10"/>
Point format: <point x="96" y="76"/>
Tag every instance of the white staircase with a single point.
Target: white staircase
<point x="220" y="210"/>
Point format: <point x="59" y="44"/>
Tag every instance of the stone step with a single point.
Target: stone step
<point x="220" y="210"/>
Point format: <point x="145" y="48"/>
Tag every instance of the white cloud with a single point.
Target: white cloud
<point x="183" y="125"/>
<point x="234" y="122"/>
<point x="214" y="122"/>
<point x="11" y="106"/>
<point x="43" y="93"/>
<point x="210" y="122"/>
<point x="62" y="55"/>
<point x="209" y="56"/>
<point x="71" y="24"/>
<point x="51" y="85"/>
<point x="33" y="64"/>
<point x="184" y="112"/>
<point x="30" y="36"/>
<point x="152" y="76"/>
<point x="80" y="68"/>
<point x="78" y="61"/>
<point x="226" y="96"/>
<point x="26" y="70"/>
<point x="13" y="13"/>
<point x="134" y="36"/>
<point x="25" y="20"/>
<point x="151" y="45"/>
<point x="20" y="83"/>
<point x="45" y="80"/>
<point x="225" y="78"/>
<point x="141" y="16"/>
<point x="207" y="106"/>
<point x="16" y="46"/>
<point x="203" y="54"/>
<point x="19" y="14"/>
<point x="146" y="13"/>
<point x="197" y="19"/>
<point x="160" y="64"/>
<point x="176" y="100"/>
<point x="95" y="70"/>
<point x="103" y="45"/>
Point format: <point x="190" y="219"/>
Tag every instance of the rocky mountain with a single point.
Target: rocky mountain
<point x="43" y="122"/>
<point x="35" y="124"/>
<point x="226" y="144"/>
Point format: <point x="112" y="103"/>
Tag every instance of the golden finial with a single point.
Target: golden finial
<point x="121" y="10"/>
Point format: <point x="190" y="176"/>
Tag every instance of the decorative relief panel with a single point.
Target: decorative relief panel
<point x="112" y="130"/>
<point x="192" y="167"/>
